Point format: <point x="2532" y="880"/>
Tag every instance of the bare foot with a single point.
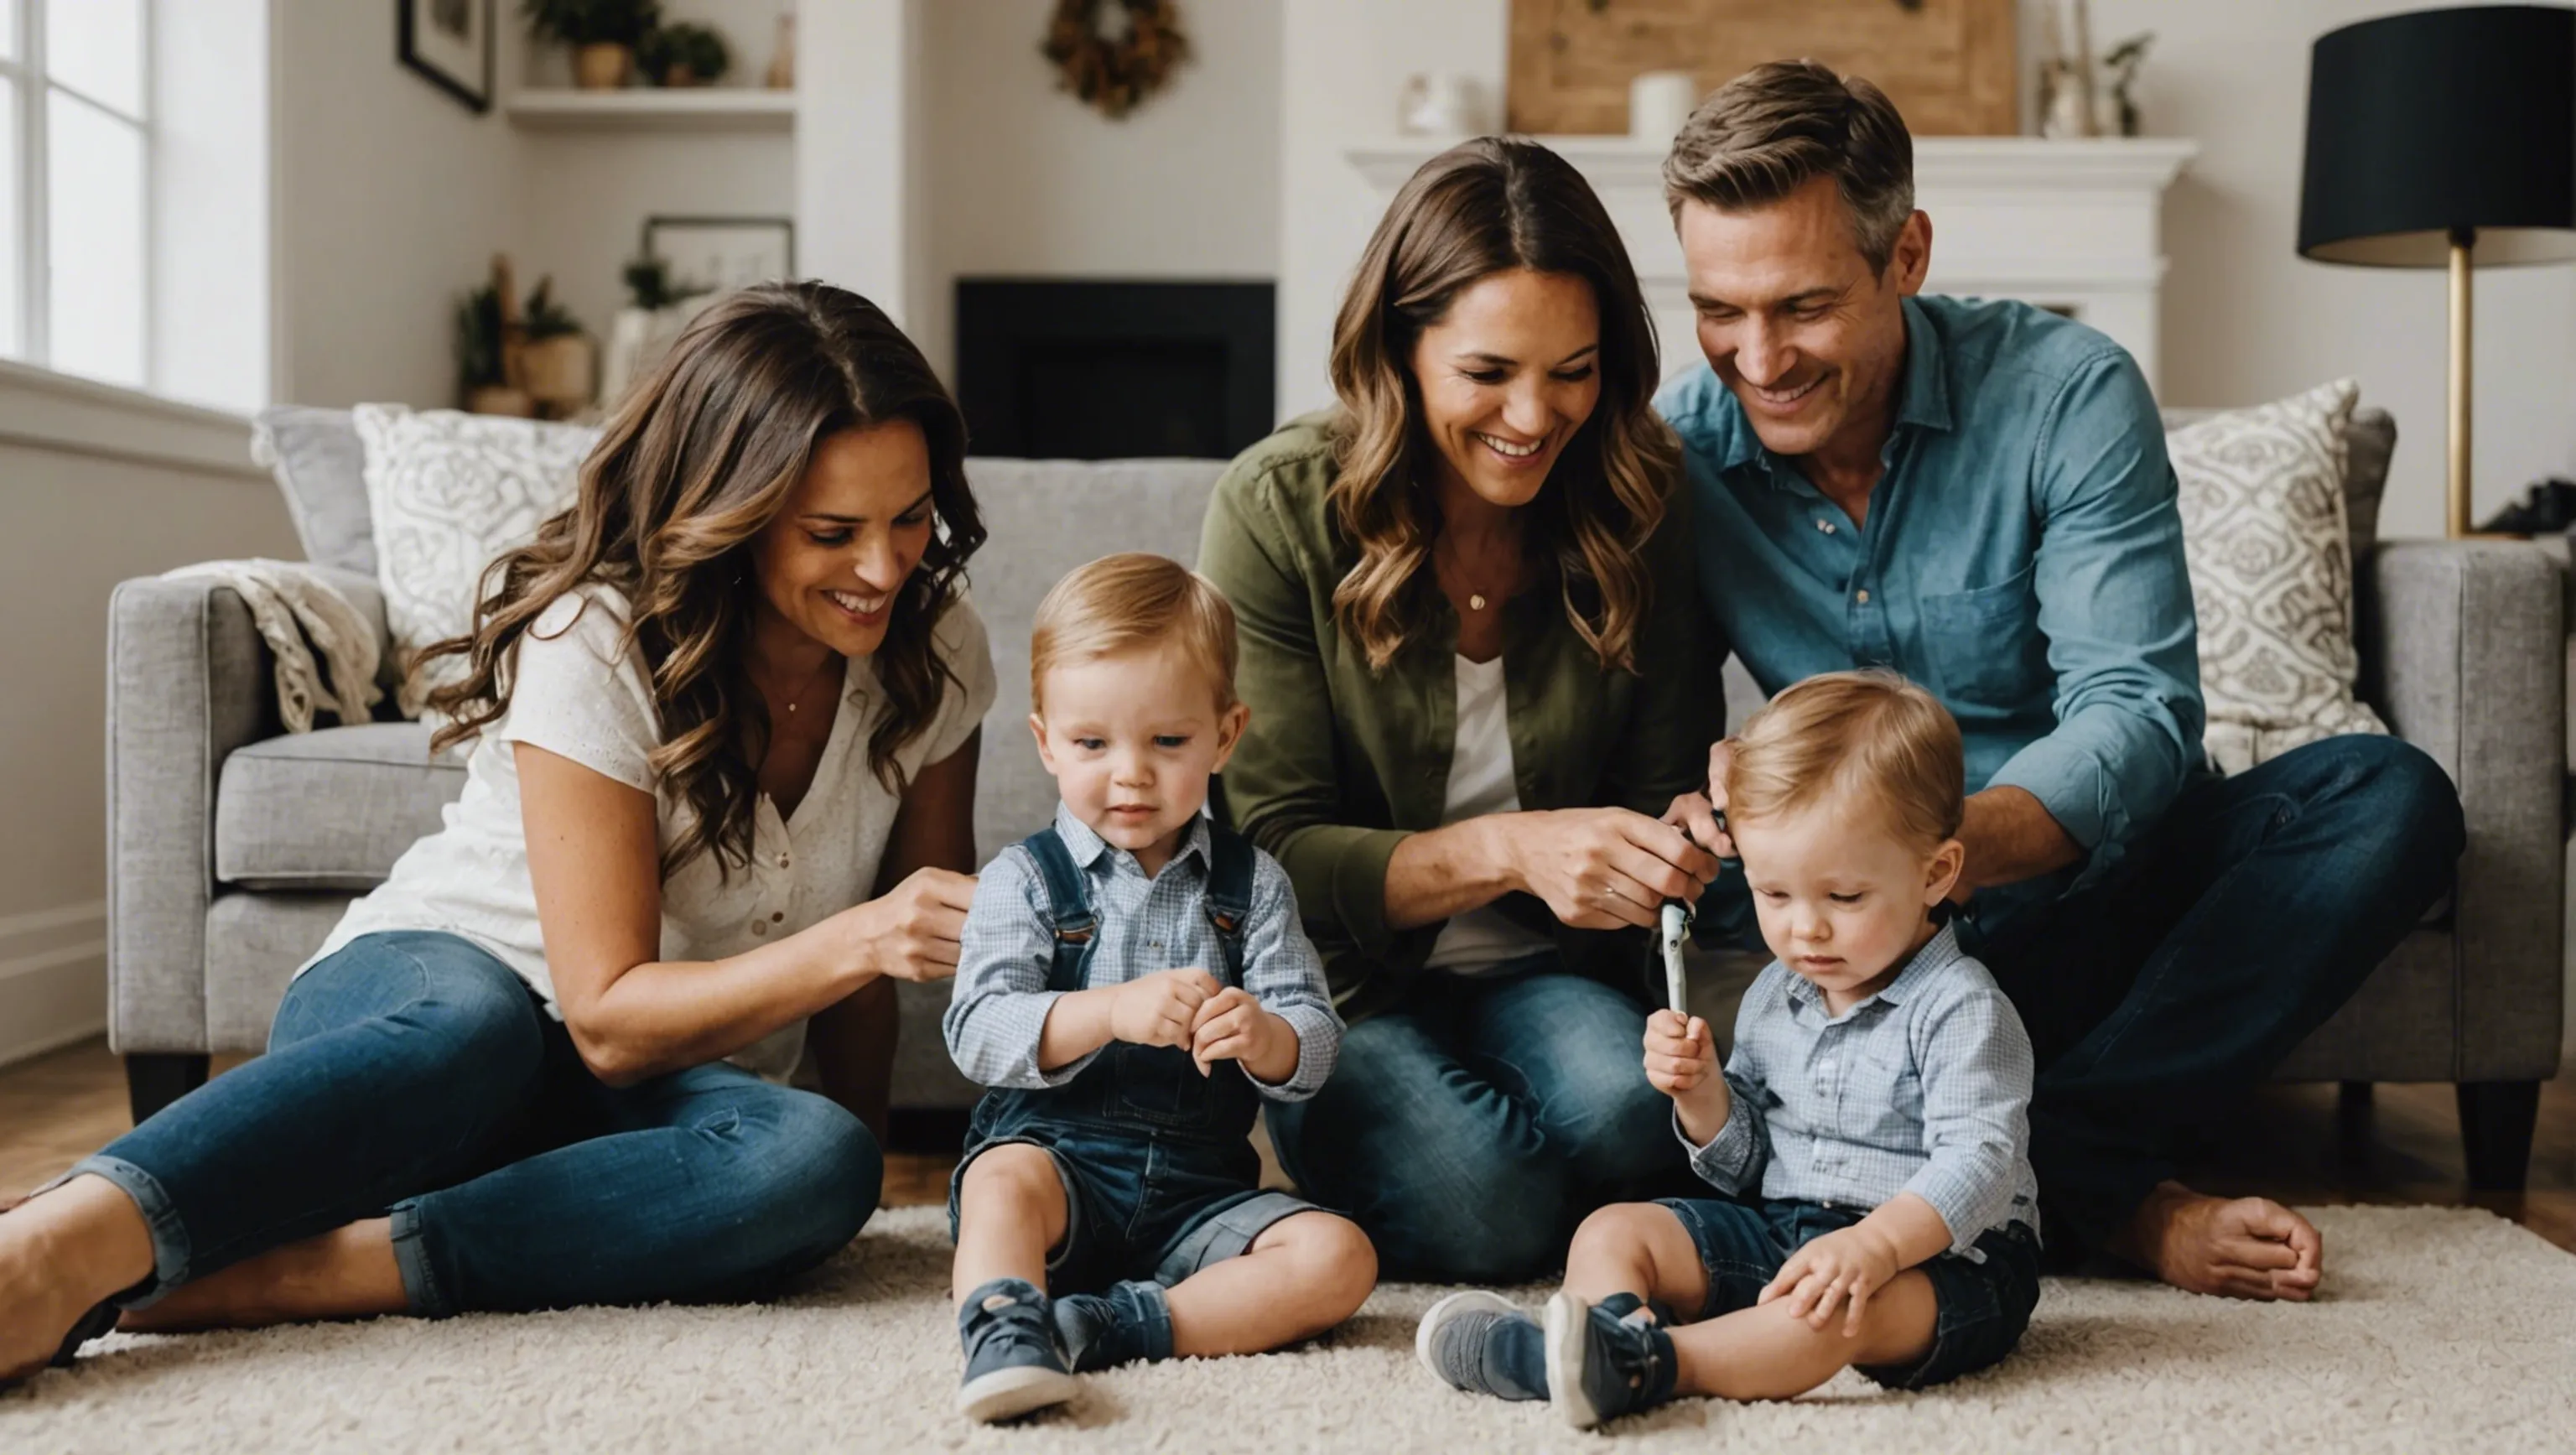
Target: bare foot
<point x="2247" y="1247"/>
<point x="59" y="1255"/>
<point x="348" y="1272"/>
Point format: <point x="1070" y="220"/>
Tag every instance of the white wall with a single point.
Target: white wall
<point x="391" y="198"/>
<point x="2247" y="319"/>
<point x="114" y="484"/>
<point x="1027" y="181"/>
<point x="1343" y="63"/>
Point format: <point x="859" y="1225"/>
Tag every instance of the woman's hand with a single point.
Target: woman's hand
<point x="1600" y="868"/>
<point x="912" y="931"/>
<point x="1703" y="816"/>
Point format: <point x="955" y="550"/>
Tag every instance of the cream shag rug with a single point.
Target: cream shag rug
<point x="2442" y="1329"/>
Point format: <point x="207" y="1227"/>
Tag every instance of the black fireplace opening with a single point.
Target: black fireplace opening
<point x="1098" y="370"/>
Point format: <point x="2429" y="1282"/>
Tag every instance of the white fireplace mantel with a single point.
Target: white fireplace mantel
<point x="2070" y="225"/>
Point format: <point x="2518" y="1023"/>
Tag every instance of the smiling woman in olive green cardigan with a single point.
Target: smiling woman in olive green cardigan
<point x="1470" y="638"/>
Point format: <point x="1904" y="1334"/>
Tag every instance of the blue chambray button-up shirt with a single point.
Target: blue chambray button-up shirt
<point x="997" y="1011"/>
<point x="1922" y="1088"/>
<point x="2022" y="558"/>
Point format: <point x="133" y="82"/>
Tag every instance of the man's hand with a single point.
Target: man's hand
<point x="1233" y="1026"/>
<point x="1160" y="1009"/>
<point x="1703" y="815"/>
<point x="1840" y="1269"/>
<point x="1681" y="1062"/>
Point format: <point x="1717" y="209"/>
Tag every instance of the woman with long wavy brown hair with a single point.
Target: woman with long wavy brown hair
<point x="1469" y="634"/>
<point x="730" y="694"/>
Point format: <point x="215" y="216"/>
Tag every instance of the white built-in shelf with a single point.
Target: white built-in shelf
<point x="708" y="108"/>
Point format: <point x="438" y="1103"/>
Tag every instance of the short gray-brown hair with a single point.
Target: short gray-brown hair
<point x="1777" y="127"/>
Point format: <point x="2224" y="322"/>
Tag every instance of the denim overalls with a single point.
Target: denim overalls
<point x="1159" y="1172"/>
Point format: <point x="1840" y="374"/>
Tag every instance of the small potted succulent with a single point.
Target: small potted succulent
<point x="603" y="35"/>
<point x="684" y="55"/>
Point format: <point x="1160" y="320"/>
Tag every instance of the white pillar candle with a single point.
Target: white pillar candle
<point x="1659" y="102"/>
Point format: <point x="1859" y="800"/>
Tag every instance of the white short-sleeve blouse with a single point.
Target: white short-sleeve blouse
<point x="576" y="690"/>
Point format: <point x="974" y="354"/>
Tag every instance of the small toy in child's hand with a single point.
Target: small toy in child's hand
<point x="1677" y="923"/>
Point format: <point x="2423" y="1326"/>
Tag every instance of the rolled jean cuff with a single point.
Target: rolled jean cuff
<point x="170" y="1249"/>
<point x="421" y="1288"/>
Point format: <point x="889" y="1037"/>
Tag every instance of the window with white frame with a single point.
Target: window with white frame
<point x="76" y="135"/>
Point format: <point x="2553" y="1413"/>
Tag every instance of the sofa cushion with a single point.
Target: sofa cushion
<point x="321" y="470"/>
<point x="330" y="809"/>
<point x="1047" y="517"/>
<point x="446" y="493"/>
<point x="2369" y="442"/>
<point x="2263" y="523"/>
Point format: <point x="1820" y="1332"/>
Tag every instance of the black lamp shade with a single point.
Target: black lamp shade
<point x="2441" y="119"/>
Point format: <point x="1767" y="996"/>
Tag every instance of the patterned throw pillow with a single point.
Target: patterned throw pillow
<point x="2271" y="574"/>
<point x="448" y="492"/>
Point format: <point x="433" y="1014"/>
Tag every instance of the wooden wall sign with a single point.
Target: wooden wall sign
<point x="1947" y="64"/>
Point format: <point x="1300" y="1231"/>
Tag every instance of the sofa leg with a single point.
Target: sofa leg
<point x="155" y="1079"/>
<point x="2496" y="1122"/>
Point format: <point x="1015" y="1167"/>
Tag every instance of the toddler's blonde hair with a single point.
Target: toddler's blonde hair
<point x="1123" y="603"/>
<point x="1870" y="734"/>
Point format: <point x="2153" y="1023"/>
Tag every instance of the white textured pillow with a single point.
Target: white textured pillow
<point x="447" y="492"/>
<point x="2271" y="574"/>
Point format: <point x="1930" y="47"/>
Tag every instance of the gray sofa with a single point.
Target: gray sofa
<point x="233" y="846"/>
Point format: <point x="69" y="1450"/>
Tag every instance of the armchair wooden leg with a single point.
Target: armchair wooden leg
<point x="2496" y="1122"/>
<point x="155" y="1079"/>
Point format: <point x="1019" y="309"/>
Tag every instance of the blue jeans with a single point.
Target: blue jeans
<point x="2159" y="996"/>
<point x="415" y="1075"/>
<point x="1468" y="1131"/>
<point x="1983" y="1303"/>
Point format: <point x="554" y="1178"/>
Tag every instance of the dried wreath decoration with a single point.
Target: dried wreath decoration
<point x="1115" y="74"/>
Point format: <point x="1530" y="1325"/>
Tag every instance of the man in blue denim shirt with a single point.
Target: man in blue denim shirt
<point x="1976" y="495"/>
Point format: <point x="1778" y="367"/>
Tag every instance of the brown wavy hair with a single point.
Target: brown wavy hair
<point x="698" y="458"/>
<point x="1489" y="206"/>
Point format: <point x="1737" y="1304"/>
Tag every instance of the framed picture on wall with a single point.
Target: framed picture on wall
<point x="449" y="42"/>
<point x="722" y="253"/>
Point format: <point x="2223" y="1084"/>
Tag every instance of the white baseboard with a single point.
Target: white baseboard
<point x="53" y="978"/>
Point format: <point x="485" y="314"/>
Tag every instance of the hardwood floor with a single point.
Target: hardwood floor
<point x="2300" y="1144"/>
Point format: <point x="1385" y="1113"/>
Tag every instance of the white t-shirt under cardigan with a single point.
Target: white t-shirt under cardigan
<point x="1484" y="939"/>
<point x="576" y="692"/>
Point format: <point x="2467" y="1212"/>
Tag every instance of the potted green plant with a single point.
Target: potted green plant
<point x="603" y="35"/>
<point x="482" y="369"/>
<point x="684" y="55"/>
<point x="554" y="359"/>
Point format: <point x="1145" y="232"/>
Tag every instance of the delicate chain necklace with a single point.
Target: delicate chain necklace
<point x="794" y="702"/>
<point x="1476" y="600"/>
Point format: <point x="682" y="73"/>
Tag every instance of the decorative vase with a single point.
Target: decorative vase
<point x="556" y="371"/>
<point x="602" y="67"/>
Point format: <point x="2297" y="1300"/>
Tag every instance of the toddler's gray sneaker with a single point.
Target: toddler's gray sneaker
<point x="1012" y="1363"/>
<point x="1479" y="1342"/>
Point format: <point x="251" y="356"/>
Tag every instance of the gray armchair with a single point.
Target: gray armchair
<point x="233" y="848"/>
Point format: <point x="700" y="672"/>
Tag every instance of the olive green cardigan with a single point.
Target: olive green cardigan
<point x="1340" y="763"/>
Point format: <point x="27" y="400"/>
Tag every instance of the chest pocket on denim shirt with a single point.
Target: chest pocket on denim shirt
<point x="1984" y="642"/>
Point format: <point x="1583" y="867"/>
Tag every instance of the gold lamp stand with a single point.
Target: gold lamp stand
<point x="2462" y="240"/>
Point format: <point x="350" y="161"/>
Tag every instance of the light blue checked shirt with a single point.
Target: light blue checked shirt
<point x="1921" y="1088"/>
<point x="1000" y="1005"/>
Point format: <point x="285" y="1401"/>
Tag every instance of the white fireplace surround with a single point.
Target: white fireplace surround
<point x="2069" y="225"/>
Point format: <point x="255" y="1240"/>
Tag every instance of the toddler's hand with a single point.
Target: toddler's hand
<point x="1843" y="1268"/>
<point x="1160" y="1009"/>
<point x="1681" y="1056"/>
<point x="1232" y="1026"/>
